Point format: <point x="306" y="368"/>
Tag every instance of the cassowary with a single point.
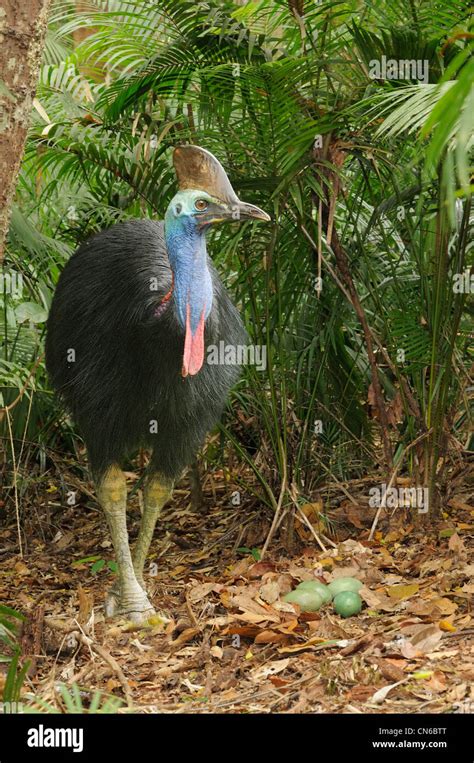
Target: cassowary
<point x="133" y="312"/>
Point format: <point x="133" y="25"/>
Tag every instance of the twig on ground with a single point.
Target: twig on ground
<point x="310" y="527"/>
<point x="71" y="629"/>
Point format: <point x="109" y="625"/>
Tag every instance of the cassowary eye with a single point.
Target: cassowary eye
<point x="201" y="205"/>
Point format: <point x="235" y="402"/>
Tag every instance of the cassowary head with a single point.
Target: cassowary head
<point x="205" y="197"/>
<point x="195" y="210"/>
<point x="199" y="171"/>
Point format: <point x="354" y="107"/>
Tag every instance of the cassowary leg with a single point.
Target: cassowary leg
<point x="157" y="492"/>
<point x="127" y="596"/>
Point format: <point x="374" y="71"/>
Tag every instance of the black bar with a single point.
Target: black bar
<point x="137" y="736"/>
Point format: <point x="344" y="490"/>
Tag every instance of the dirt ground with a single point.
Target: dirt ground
<point x="227" y="642"/>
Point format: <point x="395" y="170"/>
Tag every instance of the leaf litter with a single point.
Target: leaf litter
<point x="227" y="642"/>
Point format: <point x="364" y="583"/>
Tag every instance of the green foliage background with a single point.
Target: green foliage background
<point x="281" y="93"/>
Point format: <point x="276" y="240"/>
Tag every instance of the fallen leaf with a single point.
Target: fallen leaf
<point x="455" y="504"/>
<point x="327" y="564"/>
<point x="86" y="605"/>
<point x="248" y="631"/>
<point x="278" y="682"/>
<point x="270" y="592"/>
<point x="422" y="641"/>
<point x="394" y="409"/>
<point x="400" y="592"/>
<point x="356" y="646"/>
<point x="456" y="545"/>
<point x="457" y="693"/>
<point x="345" y="572"/>
<point x="312" y="508"/>
<point x="64" y="540"/>
<point x="390" y="671"/>
<point x="377" y="600"/>
<point x="445" y="606"/>
<point x="445" y="625"/>
<point x="353" y="515"/>
<point x="270" y="637"/>
<point x="382" y="694"/>
<point x="360" y="693"/>
<point x="199" y="592"/>
<point x="437" y="682"/>
<point x="184" y="637"/>
<point x="260" y="568"/>
<point x="256" y="612"/>
<point x="112" y="684"/>
<point x="314" y="643"/>
<point x="21" y="568"/>
<point x="269" y="669"/>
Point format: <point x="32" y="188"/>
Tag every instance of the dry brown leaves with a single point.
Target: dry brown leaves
<point x="231" y="644"/>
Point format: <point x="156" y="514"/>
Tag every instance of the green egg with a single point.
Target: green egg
<point x="309" y="601"/>
<point x="347" y="603"/>
<point x="314" y="585"/>
<point x="344" y="584"/>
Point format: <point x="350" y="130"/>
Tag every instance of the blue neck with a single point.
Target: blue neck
<point x="187" y="254"/>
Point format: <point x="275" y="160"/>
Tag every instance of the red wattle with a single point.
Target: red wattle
<point x="193" y="356"/>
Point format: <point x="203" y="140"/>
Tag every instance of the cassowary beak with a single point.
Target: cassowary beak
<point x="245" y="211"/>
<point x="237" y="211"/>
<point x="234" y="212"/>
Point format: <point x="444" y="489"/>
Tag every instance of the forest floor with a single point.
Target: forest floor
<point x="229" y="644"/>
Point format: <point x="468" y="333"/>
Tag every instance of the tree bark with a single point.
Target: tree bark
<point x="22" y="32"/>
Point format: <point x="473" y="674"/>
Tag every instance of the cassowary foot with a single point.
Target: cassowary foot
<point x="113" y="595"/>
<point x="136" y="607"/>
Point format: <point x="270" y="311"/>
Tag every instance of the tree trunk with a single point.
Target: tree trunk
<point x="22" y="32"/>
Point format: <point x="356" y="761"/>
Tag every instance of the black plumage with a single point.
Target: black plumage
<point x="114" y="351"/>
